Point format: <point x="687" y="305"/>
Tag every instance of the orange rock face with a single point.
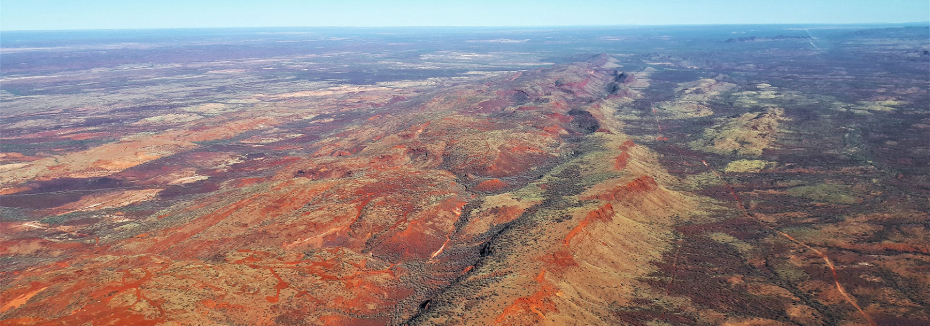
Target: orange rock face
<point x="639" y="185"/>
<point x="621" y="160"/>
<point x="604" y="213"/>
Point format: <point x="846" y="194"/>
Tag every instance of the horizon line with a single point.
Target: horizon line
<point x="466" y="26"/>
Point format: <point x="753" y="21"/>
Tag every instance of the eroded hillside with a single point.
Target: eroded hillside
<point x="611" y="189"/>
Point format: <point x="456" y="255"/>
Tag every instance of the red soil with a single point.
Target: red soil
<point x="491" y="185"/>
<point x="534" y="306"/>
<point x="341" y="230"/>
<point x="559" y="260"/>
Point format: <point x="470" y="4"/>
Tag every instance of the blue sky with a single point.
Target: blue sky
<point x="131" y="14"/>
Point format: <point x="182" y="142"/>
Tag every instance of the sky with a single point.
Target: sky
<point x="139" y="14"/>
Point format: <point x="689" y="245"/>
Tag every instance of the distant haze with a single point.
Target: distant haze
<point x="121" y="14"/>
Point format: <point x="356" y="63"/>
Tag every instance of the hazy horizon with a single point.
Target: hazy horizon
<point x="115" y="15"/>
<point x="488" y="27"/>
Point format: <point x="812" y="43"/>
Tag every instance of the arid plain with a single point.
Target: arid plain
<point x="721" y="175"/>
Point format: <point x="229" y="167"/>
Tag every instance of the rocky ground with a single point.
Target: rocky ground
<point x="633" y="189"/>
